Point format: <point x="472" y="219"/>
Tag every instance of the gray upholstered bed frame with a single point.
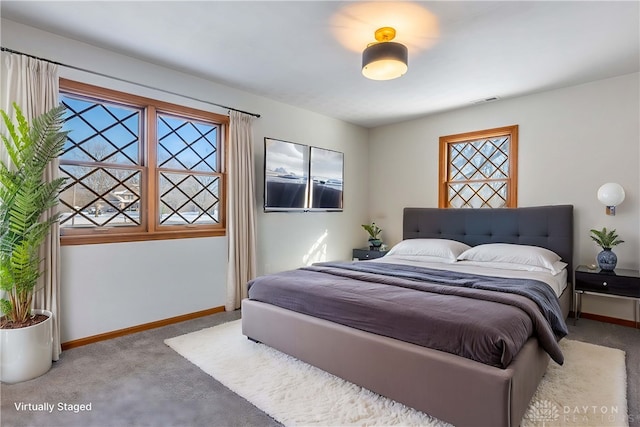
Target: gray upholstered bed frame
<point x="451" y="388"/>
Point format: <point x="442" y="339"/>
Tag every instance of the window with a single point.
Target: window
<point x="479" y="169"/>
<point x="139" y="169"/>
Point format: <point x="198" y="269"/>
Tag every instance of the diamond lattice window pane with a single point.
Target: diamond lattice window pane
<point x="454" y="195"/>
<point x="478" y="195"/>
<point x="97" y="196"/>
<point x="485" y="191"/>
<point x="100" y="132"/>
<point x="476" y="202"/>
<point x="188" y="199"/>
<point x="187" y="145"/>
<point x="500" y="162"/>
<point x="467" y="192"/>
<point x="478" y="163"/>
<point x="498" y="201"/>
<point x="469" y="171"/>
<point x="467" y="149"/>
<point x="455" y="170"/>
<point x="487" y="149"/>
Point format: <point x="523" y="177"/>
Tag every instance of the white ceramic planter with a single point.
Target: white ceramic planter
<point x="25" y="353"/>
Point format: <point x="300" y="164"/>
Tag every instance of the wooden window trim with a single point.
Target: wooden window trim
<point x="512" y="180"/>
<point x="149" y="230"/>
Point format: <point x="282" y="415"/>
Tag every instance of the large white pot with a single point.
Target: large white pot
<point x="25" y="353"/>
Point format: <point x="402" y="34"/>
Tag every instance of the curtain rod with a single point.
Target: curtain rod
<point x="5" y="49"/>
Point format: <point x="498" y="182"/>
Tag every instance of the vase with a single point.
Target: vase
<point x="25" y="353"/>
<point x="607" y="260"/>
<point x="374" y="244"/>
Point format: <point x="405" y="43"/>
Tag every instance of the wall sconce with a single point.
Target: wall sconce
<point x="611" y="195"/>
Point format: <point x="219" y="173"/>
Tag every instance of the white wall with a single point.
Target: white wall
<point x="571" y="141"/>
<point x="115" y="286"/>
<point x="118" y="285"/>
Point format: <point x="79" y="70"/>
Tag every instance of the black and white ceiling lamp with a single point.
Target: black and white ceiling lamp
<point x="384" y="60"/>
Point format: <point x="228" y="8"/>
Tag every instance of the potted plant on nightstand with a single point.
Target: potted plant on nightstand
<point x="607" y="260"/>
<point x="374" y="233"/>
<point x="26" y="334"/>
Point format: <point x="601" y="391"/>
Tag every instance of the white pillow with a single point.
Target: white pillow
<point x="558" y="266"/>
<point x="437" y="248"/>
<point x="514" y="254"/>
<point x="421" y="259"/>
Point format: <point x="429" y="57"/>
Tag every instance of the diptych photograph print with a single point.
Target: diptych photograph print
<point x="298" y="177"/>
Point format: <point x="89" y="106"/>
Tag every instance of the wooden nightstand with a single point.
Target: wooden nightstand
<point x="364" y="254"/>
<point x="619" y="283"/>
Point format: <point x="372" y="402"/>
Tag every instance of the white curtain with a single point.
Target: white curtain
<point x="33" y="85"/>
<point x="241" y="222"/>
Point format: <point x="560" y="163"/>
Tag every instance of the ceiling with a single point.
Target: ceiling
<point x="308" y="53"/>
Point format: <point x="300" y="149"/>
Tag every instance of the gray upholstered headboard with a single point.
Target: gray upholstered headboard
<point x="549" y="227"/>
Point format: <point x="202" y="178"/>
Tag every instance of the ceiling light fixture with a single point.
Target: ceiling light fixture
<point x="384" y="60"/>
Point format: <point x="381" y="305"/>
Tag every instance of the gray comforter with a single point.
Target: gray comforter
<point x="478" y="317"/>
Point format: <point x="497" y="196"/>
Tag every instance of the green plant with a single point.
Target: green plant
<point x="605" y="239"/>
<point x="372" y="229"/>
<point x="24" y="196"/>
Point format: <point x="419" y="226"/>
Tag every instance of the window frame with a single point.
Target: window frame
<point x="444" y="161"/>
<point x="150" y="227"/>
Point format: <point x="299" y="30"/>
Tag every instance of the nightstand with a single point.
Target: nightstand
<point x="620" y="283"/>
<point x="364" y="254"/>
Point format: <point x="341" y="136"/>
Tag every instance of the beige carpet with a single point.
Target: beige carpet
<point x="588" y="390"/>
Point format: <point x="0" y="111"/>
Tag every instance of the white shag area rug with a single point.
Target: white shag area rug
<point x="588" y="390"/>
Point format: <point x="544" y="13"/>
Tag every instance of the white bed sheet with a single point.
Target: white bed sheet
<point x="557" y="282"/>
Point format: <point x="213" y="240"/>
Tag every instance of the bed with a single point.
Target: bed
<point x="449" y="387"/>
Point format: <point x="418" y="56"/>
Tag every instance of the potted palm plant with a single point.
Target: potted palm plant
<point x="607" y="259"/>
<point x="26" y="334"/>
